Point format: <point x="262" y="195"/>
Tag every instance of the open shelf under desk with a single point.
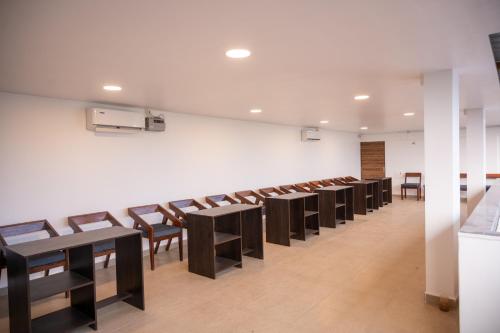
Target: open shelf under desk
<point x="308" y="213"/>
<point x="56" y="283"/>
<point x="246" y="251"/>
<point x="369" y="195"/>
<point x="224" y="237"/>
<point x="339" y="221"/>
<point x="339" y="205"/>
<point x="63" y="320"/>
<point x="221" y="263"/>
<point x="311" y="231"/>
<point x="113" y="299"/>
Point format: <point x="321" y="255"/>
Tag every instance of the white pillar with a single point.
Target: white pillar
<point x="442" y="183"/>
<point x="476" y="157"/>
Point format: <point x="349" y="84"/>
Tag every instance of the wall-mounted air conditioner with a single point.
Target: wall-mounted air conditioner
<point x="109" y="120"/>
<point x="311" y="134"/>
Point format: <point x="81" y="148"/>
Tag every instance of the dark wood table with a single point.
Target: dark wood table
<point x="219" y="237"/>
<point x="384" y="189"/>
<point x="366" y="196"/>
<point x="292" y="215"/>
<point x="336" y="205"/>
<point x="79" y="279"/>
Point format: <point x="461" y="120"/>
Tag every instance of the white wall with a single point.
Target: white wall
<point x="404" y="152"/>
<point x="52" y="167"/>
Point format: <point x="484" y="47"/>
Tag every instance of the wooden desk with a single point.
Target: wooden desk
<point x="291" y="215"/>
<point x="384" y="190"/>
<point x="218" y="237"/>
<point x="366" y="196"/>
<point x="336" y="205"/>
<point x="79" y="279"/>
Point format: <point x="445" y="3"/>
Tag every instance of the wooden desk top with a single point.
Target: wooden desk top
<point x="379" y="178"/>
<point x="364" y="181"/>
<point x="46" y="245"/>
<point x="224" y="210"/>
<point x="333" y="188"/>
<point x="292" y="196"/>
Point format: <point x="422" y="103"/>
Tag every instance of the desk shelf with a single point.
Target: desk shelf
<point x="222" y="263"/>
<point x="223" y="237"/>
<point x="63" y="320"/>
<point x="57" y="283"/>
<point x="309" y="213"/>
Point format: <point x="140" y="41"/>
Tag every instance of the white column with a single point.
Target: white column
<point x="476" y="157"/>
<point x="442" y="182"/>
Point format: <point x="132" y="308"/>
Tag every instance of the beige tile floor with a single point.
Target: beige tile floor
<point x="366" y="276"/>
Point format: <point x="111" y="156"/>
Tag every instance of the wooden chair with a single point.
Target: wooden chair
<point x="156" y="232"/>
<point x="270" y="191"/>
<point x="351" y="178"/>
<point x="316" y="184"/>
<point x="327" y="182"/>
<point x="306" y="187"/>
<point x="243" y="196"/>
<point x="412" y="185"/>
<point x="42" y="263"/>
<point x="290" y="189"/>
<point x="101" y="248"/>
<point x="181" y="207"/>
<point x="215" y="200"/>
<point x="339" y="182"/>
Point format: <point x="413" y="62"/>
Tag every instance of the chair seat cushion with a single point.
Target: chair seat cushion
<point x="104" y="246"/>
<point x="45" y="259"/>
<point x="410" y="185"/>
<point x="162" y="230"/>
<point x="463" y="187"/>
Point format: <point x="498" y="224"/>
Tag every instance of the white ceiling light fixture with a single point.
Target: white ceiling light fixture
<point x="409" y="114"/>
<point x="238" y="53"/>
<point x="364" y="128"/>
<point x="111" y="87"/>
<point x="323" y="121"/>
<point x="361" y="97"/>
<point x="255" y="110"/>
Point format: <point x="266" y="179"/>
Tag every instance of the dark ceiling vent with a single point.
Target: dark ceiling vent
<point x="495" y="46"/>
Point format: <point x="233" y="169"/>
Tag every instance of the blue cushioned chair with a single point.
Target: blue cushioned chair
<point x="157" y="232"/>
<point x="41" y="263"/>
<point x="101" y="248"/>
<point x="416" y="184"/>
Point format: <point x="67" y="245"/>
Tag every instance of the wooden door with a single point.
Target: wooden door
<point x="372" y="159"/>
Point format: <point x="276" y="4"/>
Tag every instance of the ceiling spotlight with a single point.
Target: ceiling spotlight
<point x="363" y="128"/>
<point x="323" y="121"/>
<point x="238" y="53"/>
<point x="112" y="88"/>
<point x="361" y="97"/>
<point x="255" y="111"/>
<point x="408" y="114"/>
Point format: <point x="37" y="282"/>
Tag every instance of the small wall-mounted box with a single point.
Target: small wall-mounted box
<point x="155" y="124"/>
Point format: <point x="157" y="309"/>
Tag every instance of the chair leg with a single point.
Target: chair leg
<point x="181" y="257"/>
<point x="168" y="244"/>
<point x="401" y="192"/>
<point x="405" y="193"/>
<point x="152" y="253"/>
<point x="47" y="272"/>
<point x="106" y="262"/>
<point x="157" y="246"/>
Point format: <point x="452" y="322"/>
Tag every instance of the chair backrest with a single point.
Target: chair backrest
<point x="24" y="228"/>
<point x="136" y="212"/>
<point x="413" y="175"/>
<point x="243" y="197"/>
<point x="316" y="183"/>
<point x="327" y="182"/>
<point x="215" y="200"/>
<point x="290" y="188"/>
<point x="305" y="187"/>
<point x="179" y="207"/>
<point x="270" y="191"/>
<point x="351" y="178"/>
<point x="76" y="221"/>
<point x="339" y="181"/>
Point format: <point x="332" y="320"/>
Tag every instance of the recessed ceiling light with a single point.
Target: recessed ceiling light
<point x="408" y="114"/>
<point x="363" y="128"/>
<point x="323" y="121"/>
<point x="238" y="53"/>
<point x="361" y="97"/>
<point x="110" y="87"/>
<point x="255" y="111"/>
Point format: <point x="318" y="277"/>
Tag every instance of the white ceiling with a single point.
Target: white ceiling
<point x="309" y="57"/>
